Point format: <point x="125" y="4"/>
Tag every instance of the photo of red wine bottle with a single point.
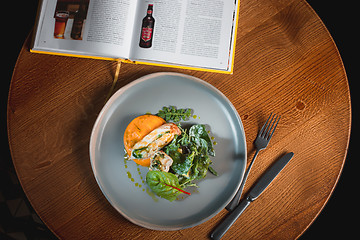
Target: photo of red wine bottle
<point x="147" y="29"/>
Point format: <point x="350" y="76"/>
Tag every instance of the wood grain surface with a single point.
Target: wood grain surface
<point x="285" y="62"/>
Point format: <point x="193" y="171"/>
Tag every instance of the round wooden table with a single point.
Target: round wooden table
<point x="286" y="62"/>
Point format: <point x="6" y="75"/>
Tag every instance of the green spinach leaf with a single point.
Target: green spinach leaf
<point x="201" y="138"/>
<point x="182" y="163"/>
<point x="203" y="163"/>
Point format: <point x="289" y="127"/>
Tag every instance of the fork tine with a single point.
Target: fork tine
<point x="277" y="119"/>
<point x="263" y="130"/>
<point x="271" y="125"/>
<point x="266" y="131"/>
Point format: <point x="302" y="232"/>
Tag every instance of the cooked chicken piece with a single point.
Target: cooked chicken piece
<point x="160" y="162"/>
<point x="154" y="141"/>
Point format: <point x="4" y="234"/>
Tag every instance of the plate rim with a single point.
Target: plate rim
<point x="96" y="129"/>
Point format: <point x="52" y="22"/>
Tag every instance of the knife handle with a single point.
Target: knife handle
<point x="230" y="219"/>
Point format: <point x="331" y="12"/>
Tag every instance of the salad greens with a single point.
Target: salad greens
<point x="190" y="153"/>
<point x="173" y="114"/>
<point x="164" y="184"/>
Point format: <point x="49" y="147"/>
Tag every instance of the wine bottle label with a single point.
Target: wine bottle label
<point x="146" y="33"/>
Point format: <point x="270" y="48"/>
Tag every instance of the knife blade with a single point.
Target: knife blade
<point x="254" y="193"/>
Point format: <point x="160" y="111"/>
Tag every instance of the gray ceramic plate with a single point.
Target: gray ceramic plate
<point x="123" y="183"/>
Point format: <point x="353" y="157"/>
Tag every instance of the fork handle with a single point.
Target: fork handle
<point x="235" y="201"/>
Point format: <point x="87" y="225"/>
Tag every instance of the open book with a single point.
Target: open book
<point x="195" y="34"/>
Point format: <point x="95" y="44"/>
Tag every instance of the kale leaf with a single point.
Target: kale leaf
<point x="173" y="114"/>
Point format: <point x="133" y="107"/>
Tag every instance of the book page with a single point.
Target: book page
<point x="195" y="33"/>
<point x="100" y="28"/>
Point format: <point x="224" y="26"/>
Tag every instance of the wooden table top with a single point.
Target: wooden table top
<point x="286" y="62"/>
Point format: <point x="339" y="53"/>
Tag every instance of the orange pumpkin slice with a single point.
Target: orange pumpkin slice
<point x="137" y="129"/>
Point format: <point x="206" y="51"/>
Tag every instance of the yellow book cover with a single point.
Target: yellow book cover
<point x="191" y="34"/>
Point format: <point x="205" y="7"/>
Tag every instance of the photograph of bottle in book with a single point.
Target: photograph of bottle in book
<point x="195" y="34"/>
<point x="70" y="16"/>
<point x="147" y="28"/>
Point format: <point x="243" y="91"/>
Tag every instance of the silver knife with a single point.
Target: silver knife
<point x="254" y="193"/>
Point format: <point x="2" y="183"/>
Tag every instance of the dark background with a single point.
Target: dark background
<point x="339" y="216"/>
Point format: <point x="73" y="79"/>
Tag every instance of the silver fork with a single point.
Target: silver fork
<point x="261" y="142"/>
